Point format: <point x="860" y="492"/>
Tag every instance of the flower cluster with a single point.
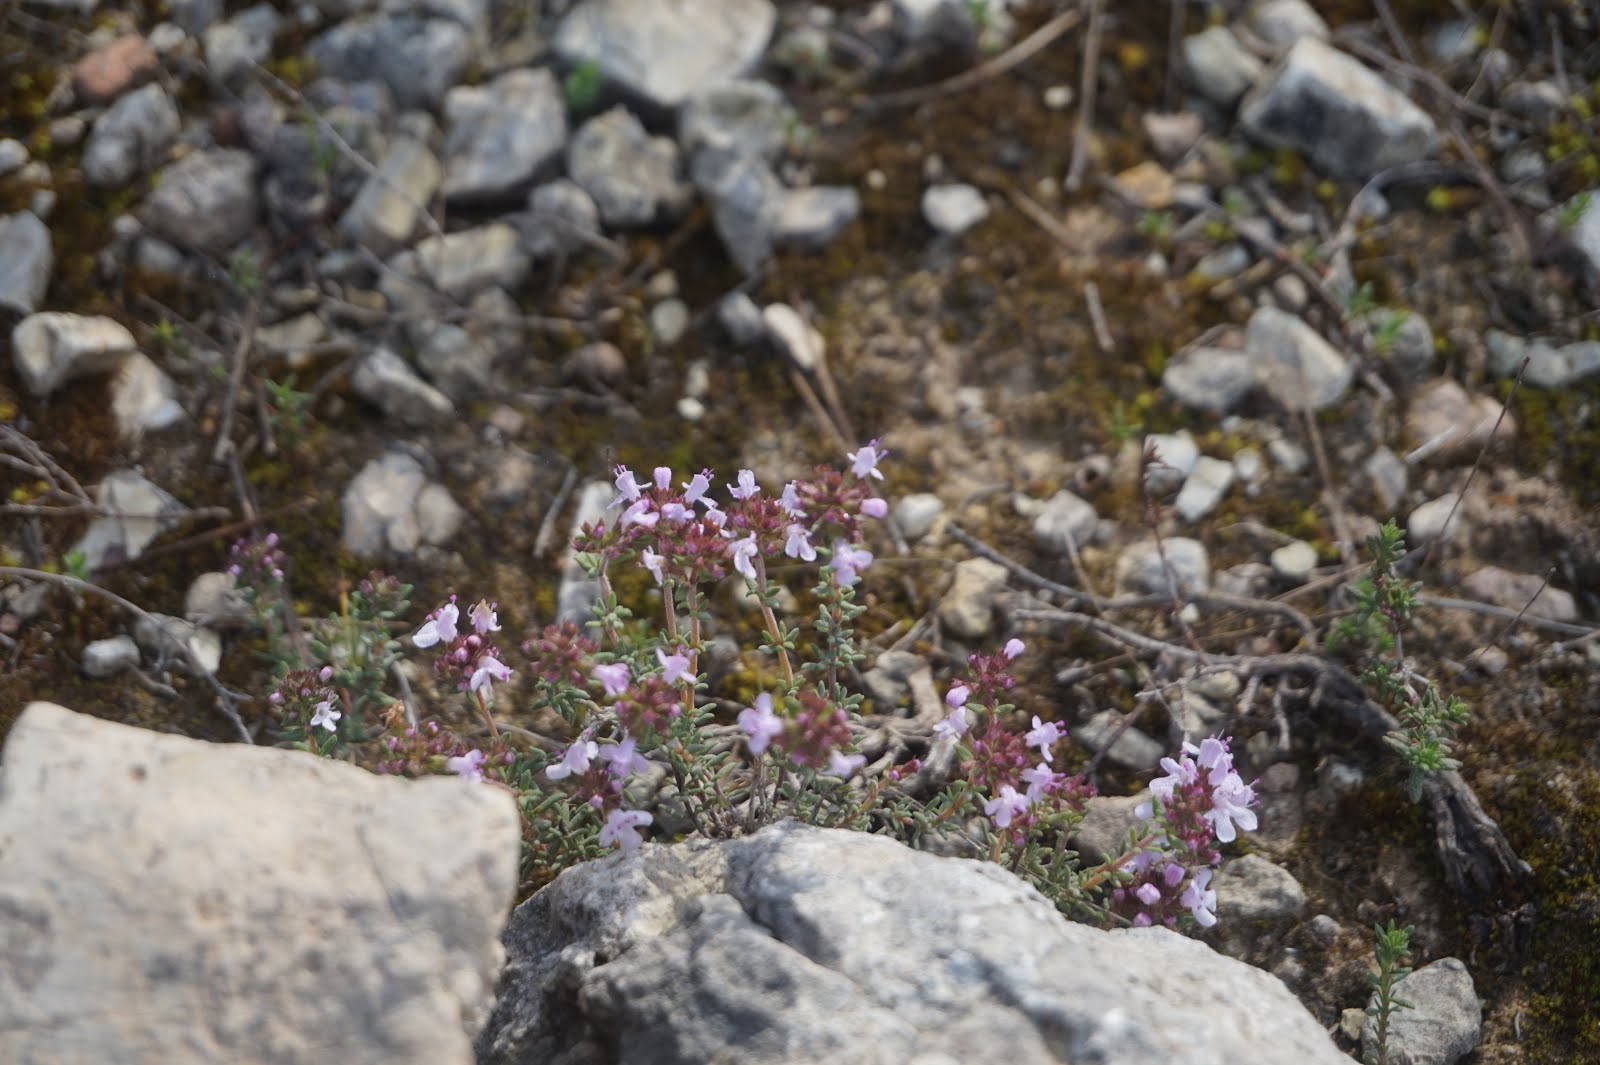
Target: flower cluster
<point x="257" y="567"/>
<point x="306" y="702"/>
<point x="429" y="748"/>
<point x="256" y="562"/>
<point x="813" y="734"/>
<point x="1014" y="771"/>
<point x="683" y="536"/>
<point x="474" y="660"/>
<point x="1202" y="801"/>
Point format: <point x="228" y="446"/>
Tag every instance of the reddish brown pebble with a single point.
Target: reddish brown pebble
<point x="125" y="63"/>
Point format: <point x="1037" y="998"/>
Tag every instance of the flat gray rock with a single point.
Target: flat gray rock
<point x="748" y="117"/>
<point x="560" y="219"/>
<point x="1219" y="67"/>
<point x="26" y="259"/>
<point x="465" y="263"/>
<point x="1140" y="569"/>
<point x="747" y="203"/>
<point x="1443" y="1025"/>
<point x="131" y="138"/>
<point x="206" y="200"/>
<point x="1585" y="231"/>
<point x="1346" y="119"/>
<point x="1064" y="524"/>
<point x="1204" y="489"/>
<point x="51" y="348"/>
<point x="967" y="609"/>
<point x="234" y="47"/>
<point x="1281" y="23"/>
<point x="139" y="511"/>
<point x="391" y="506"/>
<point x="634" y="178"/>
<point x="389" y="383"/>
<point x="393" y="201"/>
<point x="247" y="905"/>
<point x="814" y="217"/>
<point x="663" y="51"/>
<point x="1293" y="363"/>
<point x="800" y="944"/>
<point x="501" y="136"/>
<point x="143" y="397"/>
<point x="1214" y="380"/>
<point x="420" y="59"/>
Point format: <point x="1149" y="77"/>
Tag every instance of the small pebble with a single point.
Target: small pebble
<point x="1294" y="561"/>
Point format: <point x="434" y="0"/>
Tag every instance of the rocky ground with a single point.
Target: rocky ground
<point x="402" y="282"/>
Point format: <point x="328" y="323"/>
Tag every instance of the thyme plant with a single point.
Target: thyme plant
<point x="647" y="746"/>
<point x="1385" y="604"/>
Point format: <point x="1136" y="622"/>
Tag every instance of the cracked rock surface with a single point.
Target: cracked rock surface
<point x="806" y="944"/>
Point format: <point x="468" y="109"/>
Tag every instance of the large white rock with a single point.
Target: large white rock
<point x="664" y="51"/>
<point x="165" y="901"/>
<point x="53" y="347"/>
<point x="801" y="944"/>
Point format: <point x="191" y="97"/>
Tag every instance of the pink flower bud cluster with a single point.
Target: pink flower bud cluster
<point x="1013" y="770"/>
<point x="429" y="749"/>
<point x="1202" y="802"/>
<point x="682" y="535"/>
<point x="256" y="563"/>
<point x="559" y="654"/>
<point x="305" y="698"/>
<point x="811" y="732"/>
<point x="471" y="658"/>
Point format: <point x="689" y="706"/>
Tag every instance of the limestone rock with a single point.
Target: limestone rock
<point x="388" y="382"/>
<point x="803" y="944"/>
<point x="1346" y="119"/>
<point x="235" y="46"/>
<point x="25" y="262"/>
<point x="1064" y="523"/>
<point x="953" y="209"/>
<point x="1219" y="66"/>
<point x="1293" y="363"/>
<point x="814" y="217"/>
<point x="248" y="905"/>
<point x="392" y="506"/>
<point x="420" y="59"/>
<point x="140" y="511"/>
<point x="634" y="177"/>
<point x="107" y="658"/>
<point x="206" y="200"/>
<point x="1443" y="1023"/>
<point x="143" y="397"/>
<point x="664" y="51"/>
<point x="131" y="138"/>
<point x="51" y="348"/>
<point x="1214" y="380"/>
<point x="967" y="609"/>
<point x="463" y="264"/>
<point x="747" y="203"/>
<point x="1140" y="569"/>
<point x="501" y="136"/>
<point x="747" y="117"/>
<point x="392" y="202"/>
<point x="1517" y="591"/>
